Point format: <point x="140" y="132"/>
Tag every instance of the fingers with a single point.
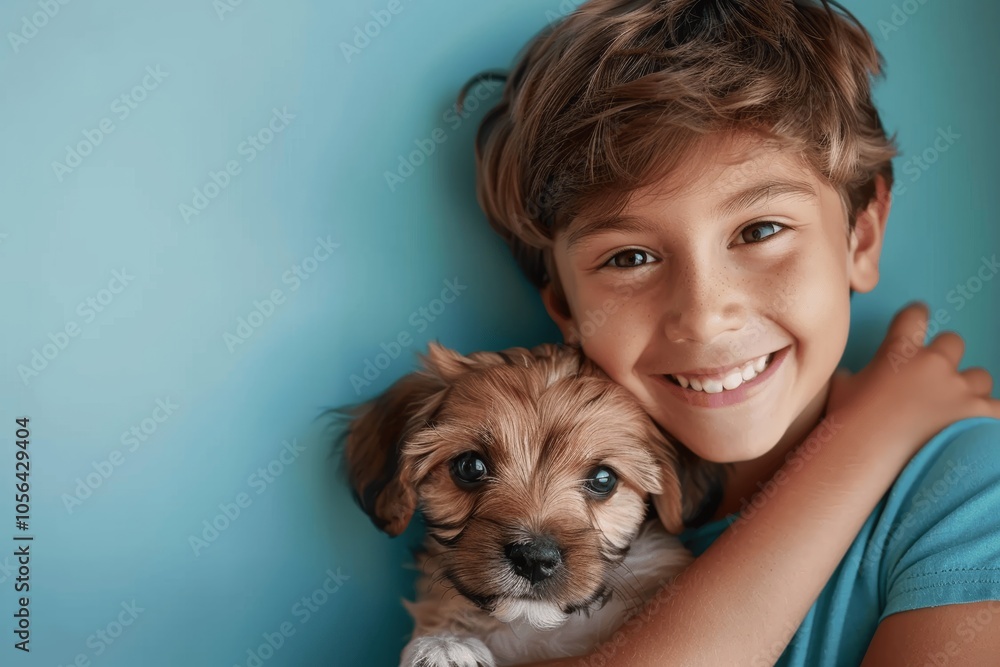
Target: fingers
<point x="950" y="346"/>
<point x="909" y="324"/>
<point x="908" y="330"/>
<point x="979" y="380"/>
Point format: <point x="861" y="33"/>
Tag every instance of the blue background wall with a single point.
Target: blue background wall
<point x="115" y="513"/>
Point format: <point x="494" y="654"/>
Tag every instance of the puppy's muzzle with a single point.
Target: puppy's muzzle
<point x="535" y="560"/>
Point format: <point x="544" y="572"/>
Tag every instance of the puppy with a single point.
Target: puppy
<point x="533" y="470"/>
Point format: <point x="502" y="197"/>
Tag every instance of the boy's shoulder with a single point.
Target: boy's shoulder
<point x="969" y="448"/>
<point x="958" y="462"/>
<point x="936" y="538"/>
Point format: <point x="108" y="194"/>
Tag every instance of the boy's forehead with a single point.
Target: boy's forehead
<point x="722" y="167"/>
<point x="728" y="173"/>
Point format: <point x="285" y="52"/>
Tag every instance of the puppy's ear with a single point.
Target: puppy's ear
<point x="669" y="503"/>
<point x="692" y="487"/>
<point x="382" y="482"/>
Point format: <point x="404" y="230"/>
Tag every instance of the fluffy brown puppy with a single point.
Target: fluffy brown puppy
<point x="533" y="470"/>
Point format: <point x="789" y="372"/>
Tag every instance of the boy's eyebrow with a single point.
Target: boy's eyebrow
<point x="734" y="203"/>
<point x="758" y="192"/>
<point x="616" y="223"/>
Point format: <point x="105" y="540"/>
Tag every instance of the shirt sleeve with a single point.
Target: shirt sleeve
<point x="941" y="524"/>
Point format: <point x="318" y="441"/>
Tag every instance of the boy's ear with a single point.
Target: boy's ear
<point x="558" y="310"/>
<point x="866" y="238"/>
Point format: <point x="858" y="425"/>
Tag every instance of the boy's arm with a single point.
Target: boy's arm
<point x="957" y="634"/>
<point x="742" y="600"/>
<point x="940" y="561"/>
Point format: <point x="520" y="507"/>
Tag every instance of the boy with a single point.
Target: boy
<point x="697" y="188"/>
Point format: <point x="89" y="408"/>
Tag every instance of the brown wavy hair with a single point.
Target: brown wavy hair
<point x="612" y="97"/>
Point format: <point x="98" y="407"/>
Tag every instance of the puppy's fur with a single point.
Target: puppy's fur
<point x="543" y="421"/>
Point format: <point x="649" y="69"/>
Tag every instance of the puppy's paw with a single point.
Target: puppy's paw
<point x="447" y="651"/>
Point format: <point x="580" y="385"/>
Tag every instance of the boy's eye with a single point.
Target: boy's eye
<point x="760" y="231"/>
<point x="628" y="259"/>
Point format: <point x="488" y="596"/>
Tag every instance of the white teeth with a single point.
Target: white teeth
<point x="710" y="386"/>
<point x="731" y="381"/>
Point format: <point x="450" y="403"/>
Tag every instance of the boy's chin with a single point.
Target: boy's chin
<point x="732" y="446"/>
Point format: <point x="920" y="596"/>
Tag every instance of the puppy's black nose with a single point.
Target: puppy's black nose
<point x="536" y="560"/>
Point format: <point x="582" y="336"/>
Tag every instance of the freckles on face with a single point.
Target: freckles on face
<point x="721" y="302"/>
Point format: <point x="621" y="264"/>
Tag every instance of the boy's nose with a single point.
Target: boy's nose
<point x="703" y="307"/>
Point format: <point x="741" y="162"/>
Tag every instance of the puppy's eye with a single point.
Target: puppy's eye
<point x="468" y="468"/>
<point x="601" y="482"/>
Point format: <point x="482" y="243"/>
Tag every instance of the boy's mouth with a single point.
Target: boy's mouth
<point x="730" y="380"/>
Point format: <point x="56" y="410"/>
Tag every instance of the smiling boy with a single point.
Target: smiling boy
<point x="697" y="188"/>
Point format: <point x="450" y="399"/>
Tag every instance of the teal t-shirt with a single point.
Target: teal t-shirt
<point x="933" y="539"/>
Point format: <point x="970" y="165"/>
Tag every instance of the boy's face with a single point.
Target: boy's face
<point x="741" y="259"/>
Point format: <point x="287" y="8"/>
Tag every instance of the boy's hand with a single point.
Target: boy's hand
<point x="916" y="387"/>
